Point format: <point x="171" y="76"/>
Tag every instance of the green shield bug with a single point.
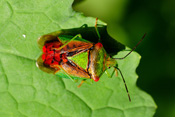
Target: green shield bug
<point x="73" y="54"/>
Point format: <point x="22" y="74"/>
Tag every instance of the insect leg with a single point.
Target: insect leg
<point x="109" y="76"/>
<point x="81" y="83"/>
<point x="78" y="35"/>
<point x="124" y="83"/>
<point x="96" y="29"/>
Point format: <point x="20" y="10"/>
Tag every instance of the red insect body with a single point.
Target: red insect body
<point x="52" y="56"/>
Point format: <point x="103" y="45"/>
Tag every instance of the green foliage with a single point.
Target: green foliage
<point x="27" y="91"/>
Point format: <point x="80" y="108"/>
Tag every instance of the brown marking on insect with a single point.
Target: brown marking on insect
<point x="67" y="46"/>
<point x="76" y="46"/>
<point x="74" y="71"/>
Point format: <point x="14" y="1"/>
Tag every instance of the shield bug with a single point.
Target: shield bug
<point x="74" y="54"/>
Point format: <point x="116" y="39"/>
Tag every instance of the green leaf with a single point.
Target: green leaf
<point x="27" y="91"/>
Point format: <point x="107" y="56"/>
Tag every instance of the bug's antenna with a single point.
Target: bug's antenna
<point x="124" y="83"/>
<point x="96" y="29"/>
<point x="133" y="48"/>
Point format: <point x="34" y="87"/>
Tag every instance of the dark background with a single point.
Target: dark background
<point x="127" y="22"/>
